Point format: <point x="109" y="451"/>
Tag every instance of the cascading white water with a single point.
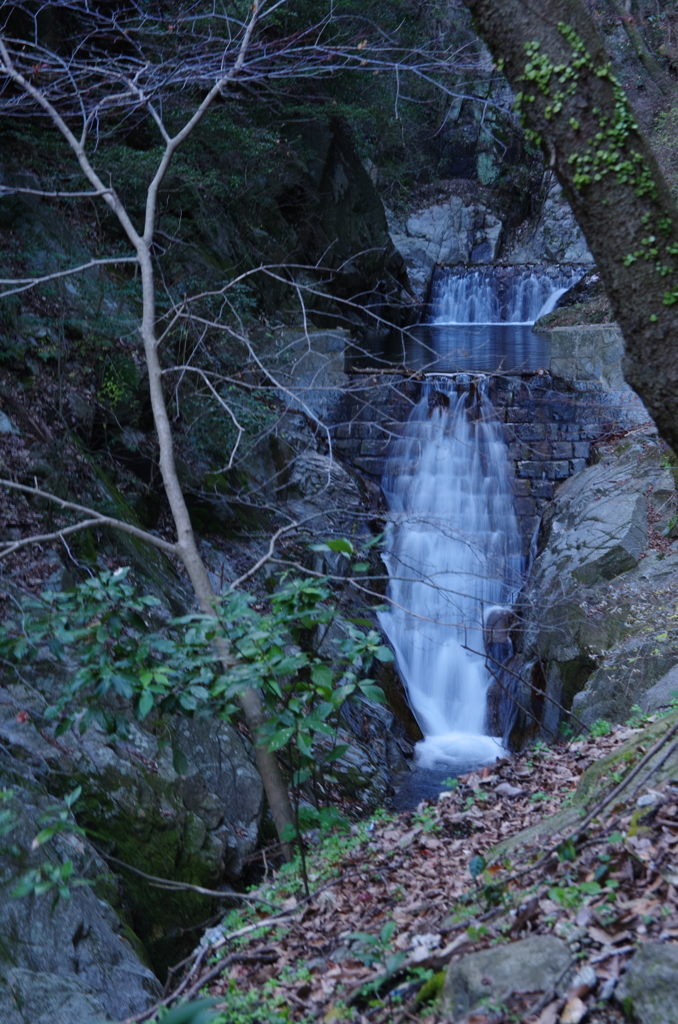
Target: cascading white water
<point x="460" y="296"/>
<point x="453" y="555"/>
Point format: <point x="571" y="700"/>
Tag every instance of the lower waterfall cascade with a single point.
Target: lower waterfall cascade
<point x="454" y="557"/>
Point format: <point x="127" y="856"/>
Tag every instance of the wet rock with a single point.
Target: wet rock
<point x="647" y="992"/>
<point x="535" y="964"/>
<point x="310" y="371"/>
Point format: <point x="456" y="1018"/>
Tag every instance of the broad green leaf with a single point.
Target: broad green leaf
<point x="384" y="653"/>
<point x="25" y="886"/>
<point x="74" y="795"/>
<point x="476" y="866"/>
<point x="44" y="836"/>
<point x="280" y="738"/>
<point x="145" y="704"/>
<point x="335" y="754"/>
<point x="393" y="962"/>
<point x="590" y="888"/>
<point x="373" y="692"/>
<point x="342" y="693"/>
<point x="341" y="544"/>
<point x="179" y="761"/>
<point x="305" y="743"/>
<point x="322" y="675"/>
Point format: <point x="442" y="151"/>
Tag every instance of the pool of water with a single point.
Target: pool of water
<point x="451" y="348"/>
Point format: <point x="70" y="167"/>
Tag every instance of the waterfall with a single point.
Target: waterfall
<point x="494" y="295"/>
<point x="453" y="555"/>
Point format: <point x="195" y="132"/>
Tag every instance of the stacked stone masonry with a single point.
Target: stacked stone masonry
<point x="550" y="428"/>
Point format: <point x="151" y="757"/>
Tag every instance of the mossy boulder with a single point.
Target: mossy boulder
<point x="182" y="802"/>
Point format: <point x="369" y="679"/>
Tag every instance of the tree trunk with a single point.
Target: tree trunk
<point x="555" y="59"/>
<point x="267" y="762"/>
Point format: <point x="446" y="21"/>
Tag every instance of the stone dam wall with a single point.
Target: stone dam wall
<point x="551" y="422"/>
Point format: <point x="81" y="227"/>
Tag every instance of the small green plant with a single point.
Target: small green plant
<point x="432" y="987"/>
<point x="566" y="731"/>
<point x="373" y="950"/>
<point x="196" y="1012"/>
<point x="601" y="727"/>
<point x="48" y="876"/>
<point x="427" y="817"/>
<point x="637" y="717"/>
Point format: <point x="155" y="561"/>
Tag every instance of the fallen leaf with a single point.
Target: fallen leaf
<point x="549" y="1015"/>
<point x="506" y="789"/>
<point x="573" y="1011"/>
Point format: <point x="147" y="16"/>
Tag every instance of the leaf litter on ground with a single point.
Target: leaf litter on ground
<point x="397" y="899"/>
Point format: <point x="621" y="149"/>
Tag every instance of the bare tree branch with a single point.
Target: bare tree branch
<point x="96" y="519"/>
<point x="25" y="283"/>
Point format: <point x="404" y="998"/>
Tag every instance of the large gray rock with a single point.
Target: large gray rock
<point x="446" y="232"/>
<point x="555" y="237"/>
<point x="601" y="592"/>
<point x="663" y="694"/>
<point x="69" y="963"/>
<point x="202" y="784"/>
<point x="647" y="991"/>
<point x="30" y="997"/>
<point x="597" y="526"/>
<point x="535" y="964"/>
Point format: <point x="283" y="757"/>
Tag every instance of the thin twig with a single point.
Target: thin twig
<point x="172" y="884"/>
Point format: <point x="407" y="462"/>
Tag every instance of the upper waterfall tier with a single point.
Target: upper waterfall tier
<point x="497" y="295"/>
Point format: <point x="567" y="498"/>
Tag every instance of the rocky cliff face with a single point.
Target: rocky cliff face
<point x="598" y="607"/>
